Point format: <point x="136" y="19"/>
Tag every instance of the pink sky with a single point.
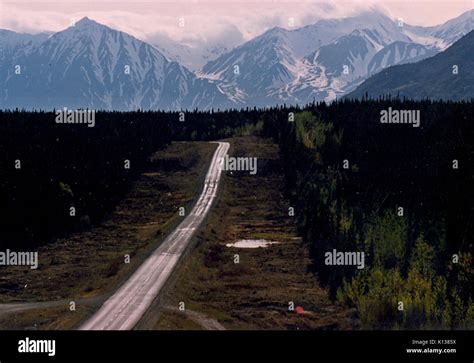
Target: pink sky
<point x="209" y="21"/>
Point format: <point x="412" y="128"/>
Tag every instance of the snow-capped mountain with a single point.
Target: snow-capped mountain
<point x="256" y="68"/>
<point x="444" y="35"/>
<point x="92" y="65"/>
<point x="193" y="58"/>
<point x="276" y="66"/>
<point x="399" y="53"/>
<point x="325" y="60"/>
<point x="433" y="77"/>
<point x="352" y="58"/>
<point x="16" y="44"/>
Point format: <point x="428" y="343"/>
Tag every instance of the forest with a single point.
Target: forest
<point x="403" y="195"/>
<point x="48" y="168"/>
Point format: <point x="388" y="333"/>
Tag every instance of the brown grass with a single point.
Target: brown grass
<point x="91" y="264"/>
<point x="255" y="293"/>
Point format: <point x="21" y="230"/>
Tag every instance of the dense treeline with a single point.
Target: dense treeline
<point x="47" y="168"/>
<point x="348" y="175"/>
<point x="211" y="125"/>
<point x="420" y="255"/>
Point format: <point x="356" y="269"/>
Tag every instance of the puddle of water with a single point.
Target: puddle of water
<point x="251" y="243"/>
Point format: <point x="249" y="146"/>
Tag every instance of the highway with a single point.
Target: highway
<point x="127" y="305"/>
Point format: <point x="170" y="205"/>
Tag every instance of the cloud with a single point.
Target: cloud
<point x="209" y="22"/>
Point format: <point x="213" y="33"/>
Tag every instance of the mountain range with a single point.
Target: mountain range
<point x="447" y="75"/>
<point x="92" y="65"/>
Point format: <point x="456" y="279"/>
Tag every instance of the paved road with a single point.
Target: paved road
<point x="124" y="309"/>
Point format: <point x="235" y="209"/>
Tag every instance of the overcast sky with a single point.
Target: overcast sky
<point x="209" y="22"/>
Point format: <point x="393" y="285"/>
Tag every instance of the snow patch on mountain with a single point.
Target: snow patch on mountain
<point x="92" y="65"/>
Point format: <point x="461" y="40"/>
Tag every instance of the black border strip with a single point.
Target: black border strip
<point x="240" y="345"/>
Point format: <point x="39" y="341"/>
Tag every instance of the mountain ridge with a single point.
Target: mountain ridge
<point x="90" y="64"/>
<point x="433" y="77"/>
<point x="84" y="65"/>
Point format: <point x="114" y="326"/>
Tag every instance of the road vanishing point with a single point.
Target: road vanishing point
<point x="126" y="306"/>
